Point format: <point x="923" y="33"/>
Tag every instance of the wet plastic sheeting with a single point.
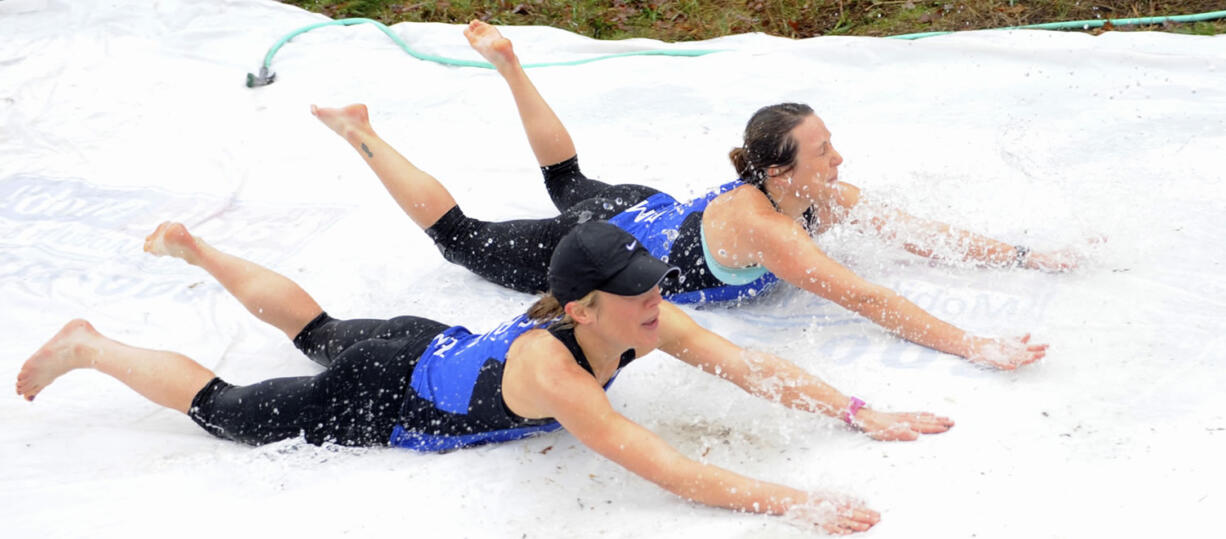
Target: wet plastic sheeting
<point x="116" y="116"/>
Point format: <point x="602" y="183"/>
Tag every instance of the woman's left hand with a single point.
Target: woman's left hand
<point x="899" y="426"/>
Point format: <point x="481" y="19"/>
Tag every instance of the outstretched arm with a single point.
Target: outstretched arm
<point x="782" y="381"/>
<point x="787" y="250"/>
<point x="573" y="397"/>
<point x="940" y="241"/>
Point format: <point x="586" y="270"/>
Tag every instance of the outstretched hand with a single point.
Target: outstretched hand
<point x="1006" y="353"/>
<point x="1054" y="261"/>
<point x="836" y="515"/>
<point x="899" y="426"/>
<point x="1059" y="261"/>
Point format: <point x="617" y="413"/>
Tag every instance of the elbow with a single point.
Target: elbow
<point x="662" y="466"/>
<point x="854" y="295"/>
<point x="870" y="300"/>
<point x="676" y="475"/>
<point x="671" y="475"/>
<point x="693" y="486"/>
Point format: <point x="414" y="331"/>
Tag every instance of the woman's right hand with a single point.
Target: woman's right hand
<point x="1054" y="261"/>
<point x="1006" y="353"/>
<point x="837" y="515"/>
<point x="1067" y="259"/>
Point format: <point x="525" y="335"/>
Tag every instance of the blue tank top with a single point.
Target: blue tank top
<point x="659" y="223"/>
<point x="454" y="398"/>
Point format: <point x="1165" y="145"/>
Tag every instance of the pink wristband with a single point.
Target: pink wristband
<point x="852" y="407"/>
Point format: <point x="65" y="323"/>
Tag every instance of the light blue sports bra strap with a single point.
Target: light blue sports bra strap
<point x="733" y="276"/>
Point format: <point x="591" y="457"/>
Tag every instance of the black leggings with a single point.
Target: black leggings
<point x="515" y="254"/>
<point x="355" y="402"/>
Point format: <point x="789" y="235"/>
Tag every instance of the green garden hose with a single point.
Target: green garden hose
<point x="266" y="76"/>
<point x="1091" y="23"/>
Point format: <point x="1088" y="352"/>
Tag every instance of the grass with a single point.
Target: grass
<point x="689" y="20"/>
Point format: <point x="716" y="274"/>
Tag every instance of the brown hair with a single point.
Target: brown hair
<point x="768" y="142"/>
<point x="547" y="309"/>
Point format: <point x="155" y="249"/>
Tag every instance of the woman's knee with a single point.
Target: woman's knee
<point x="227" y="411"/>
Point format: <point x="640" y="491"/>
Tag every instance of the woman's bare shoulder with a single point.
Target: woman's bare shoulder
<point x="538" y="347"/>
<point x="741" y="203"/>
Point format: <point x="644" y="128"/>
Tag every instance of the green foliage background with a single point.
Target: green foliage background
<point x="688" y="20"/>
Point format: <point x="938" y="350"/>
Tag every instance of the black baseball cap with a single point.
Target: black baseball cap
<point x="597" y="255"/>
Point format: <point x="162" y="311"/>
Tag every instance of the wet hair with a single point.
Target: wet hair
<point x="768" y="142"/>
<point x="547" y="310"/>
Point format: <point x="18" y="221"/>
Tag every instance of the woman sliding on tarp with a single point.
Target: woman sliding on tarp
<point x="416" y="383"/>
<point x="734" y="242"/>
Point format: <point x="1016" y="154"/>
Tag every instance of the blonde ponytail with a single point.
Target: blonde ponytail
<point x="547" y="310"/>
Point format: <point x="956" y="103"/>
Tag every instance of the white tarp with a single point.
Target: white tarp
<point x="117" y="115"/>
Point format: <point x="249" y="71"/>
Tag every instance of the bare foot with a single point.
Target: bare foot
<point x="67" y="350"/>
<point x="487" y="41"/>
<point x="173" y="239"/>
<point x="347" y="122"/>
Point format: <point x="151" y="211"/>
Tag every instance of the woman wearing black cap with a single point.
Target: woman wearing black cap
<point x="415" y="383"/>
<point x="736" y="241"/>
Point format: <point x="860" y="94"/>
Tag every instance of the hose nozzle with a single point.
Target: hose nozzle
<point x="265" y="78"/>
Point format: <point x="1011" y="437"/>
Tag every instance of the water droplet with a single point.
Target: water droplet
<point x="671" y="234"/>
<point x="607" y="206"/>
<point x="618" y="201"/>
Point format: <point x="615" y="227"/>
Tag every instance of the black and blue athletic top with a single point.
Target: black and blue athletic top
<point x="454" y="398"/>
<point x="672" y="232"/>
